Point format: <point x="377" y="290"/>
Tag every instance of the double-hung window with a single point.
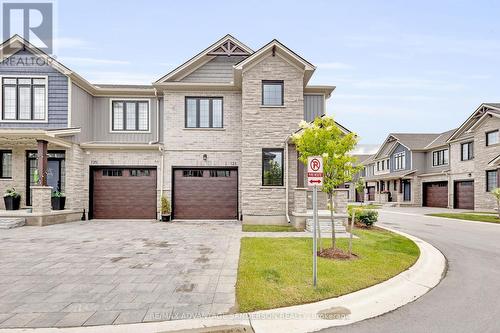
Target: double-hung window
<point x="5" y="164"/>
<point x="491" y="180"/>
<point x="440" y="157"/>
<point x="130" y="115"/>
<point x="492" y="138"/>
<point x="467" y="151"/>
<point x="24" y="99"/>
<point x="399" y="161"/>
<point x="272" y="93"/>
<point x="272" y="167"/>
<point x="204" y="112"/>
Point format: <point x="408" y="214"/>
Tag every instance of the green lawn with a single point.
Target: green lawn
<point x="277" y="272"/>
<point x="469" y="217"/>
<point x="269" y="228"/>
<point x="369" y="206"/>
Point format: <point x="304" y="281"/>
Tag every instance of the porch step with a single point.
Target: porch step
<point x="326" y="226"/>
<point x="11" y="222"/>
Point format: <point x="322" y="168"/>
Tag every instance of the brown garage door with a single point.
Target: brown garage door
<point x="436" y="194"/>
<point x="464" y="194"/>
<point x="205" y="194"/>
<point x="124" y="193"/>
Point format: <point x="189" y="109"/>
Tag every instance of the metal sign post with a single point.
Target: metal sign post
<point x="315" y="179"/>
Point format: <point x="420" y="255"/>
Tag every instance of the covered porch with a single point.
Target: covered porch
<point x="395" y="187"/>
<point x="37" y="163"/>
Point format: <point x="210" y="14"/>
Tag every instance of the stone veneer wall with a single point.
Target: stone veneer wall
<point x="267" y="127"/>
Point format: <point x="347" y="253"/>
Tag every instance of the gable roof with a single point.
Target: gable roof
<point x="275" y="47"/>
<point x="478" y="115"/>
<point x="227" y="45"/>
<point x="441" y="140"/>
<point x="16" y="43"/>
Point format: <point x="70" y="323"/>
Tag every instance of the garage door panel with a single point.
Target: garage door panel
<point x="122" y="196"/>
<point x="464" y="194"/>
<point x="436" y="194"/>
<point x="207" y="197"/>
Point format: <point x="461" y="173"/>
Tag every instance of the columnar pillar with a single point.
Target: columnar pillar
<point x="42" y="162"/>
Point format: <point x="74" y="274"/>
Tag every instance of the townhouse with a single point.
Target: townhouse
<point x="454" y="169"/>
<point x="213" y="135"/>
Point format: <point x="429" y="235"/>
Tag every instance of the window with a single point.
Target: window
<point x="192" y="173"/>
<point x="112" y="172"/>
<point x="220" y="173"/>
<point x="491" y="180"/>
<point x="139" y="172"/>
<point x="399" y="161"/>
<point x="387" y="164"/>
<point x="24" y="99"/>
<point x="492" y="138"/>
<point x="6" y="164"/>
<point x="130" y="116"/>
<point x="272" y="93"/>
<point x="467" y="151"/>
<point x="440" y="157"/>
<point x="378" y="166"/>
<point x="272" y="167"/>
<point x="203" y="112"/>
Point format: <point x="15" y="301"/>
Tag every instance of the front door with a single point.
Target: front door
<point x="55" y="171"/>
<point x="406" y="190"/>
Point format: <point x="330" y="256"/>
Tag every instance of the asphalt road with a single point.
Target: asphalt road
<point x="467" y="299"/>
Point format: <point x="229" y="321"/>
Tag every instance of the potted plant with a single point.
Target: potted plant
<point x="165" y="209"/>
<point x="58" y="200"/>
<point x="12" y="199"/>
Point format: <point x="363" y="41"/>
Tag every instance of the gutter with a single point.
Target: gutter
<point x="286" y="179"/>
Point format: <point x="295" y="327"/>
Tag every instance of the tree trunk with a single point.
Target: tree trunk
<point x="332" y="220"/>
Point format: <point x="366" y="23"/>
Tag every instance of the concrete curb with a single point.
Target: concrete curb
<point x="370" y="302"/>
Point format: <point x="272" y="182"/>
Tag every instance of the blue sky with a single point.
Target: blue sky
<point x="399" y="66"/>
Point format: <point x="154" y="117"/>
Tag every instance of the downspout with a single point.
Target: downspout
<point x="160" y="147"/>
<point x="286" y="179"/>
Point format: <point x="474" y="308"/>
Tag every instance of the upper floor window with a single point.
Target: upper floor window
<point x="467" y="151"/>
<point x="129" y="115"/>
<point x="272" y="167"/>
<point x="378" y="166"/>
<point x="24" y="99"/>
<point x="6" y="164"/>
<point x="492" y="138"/>
<point x="272" y="93"/>
<point x="440" y="157"/>
<point x="387" y="164"/>
<point x="204" y="112"/>
<point x="491" y="180"/>
<point x="399" y="161"/>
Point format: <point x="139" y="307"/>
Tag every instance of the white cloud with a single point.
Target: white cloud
<point x="71" y="43"/>
<point x="403" y="83"/>
<point x="114" y="77"/>
<point x="92" y="61"/>
<point x="386" y="97"/>
<point x="365" y="149"/>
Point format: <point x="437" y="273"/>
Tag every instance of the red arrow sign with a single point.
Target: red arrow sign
<point x="315" y="181"/>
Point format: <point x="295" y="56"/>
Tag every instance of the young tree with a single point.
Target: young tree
<point x="360" y="188"/>
<point x="496" y="194"/>
<point x="323" y="137"/>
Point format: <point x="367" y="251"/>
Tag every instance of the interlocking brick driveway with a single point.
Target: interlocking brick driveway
<point x="114" y="272"/>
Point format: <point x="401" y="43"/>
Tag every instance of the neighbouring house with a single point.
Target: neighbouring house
<point x="213" y="135"/>
<point x="454" y="169"/>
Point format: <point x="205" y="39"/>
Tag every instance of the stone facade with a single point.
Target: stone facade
<point x="267" y="127"/>
<point x="41" y="199"/>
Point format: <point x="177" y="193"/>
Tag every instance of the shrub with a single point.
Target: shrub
<point x="165" y="206"/>
<point x="366" y="216"/>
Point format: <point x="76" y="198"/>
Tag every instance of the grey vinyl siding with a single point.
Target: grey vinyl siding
<point x="102" y="129"/>
<point x="217" y="70"/>
<point x="57" y="89"/>
<point x="418" y="161"/>
<point x="429" y="168"/>
<point x="313" y="106"/>
<point x="399" y="149"/>
<point x="81" y="113"/>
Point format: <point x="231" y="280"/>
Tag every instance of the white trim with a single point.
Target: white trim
<point x="70" y="98"/>
<point x="111" y="131"/>
<point x="432" y="157"/>
<point x="44" y="121"/>
<point x="480" y="120"/>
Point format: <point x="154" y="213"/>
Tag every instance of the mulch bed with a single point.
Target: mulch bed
<point x="336" y="253"/>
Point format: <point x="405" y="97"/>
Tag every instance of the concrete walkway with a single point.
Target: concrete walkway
<point x="116" y="272"/>
<point x="370" y="302"/>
